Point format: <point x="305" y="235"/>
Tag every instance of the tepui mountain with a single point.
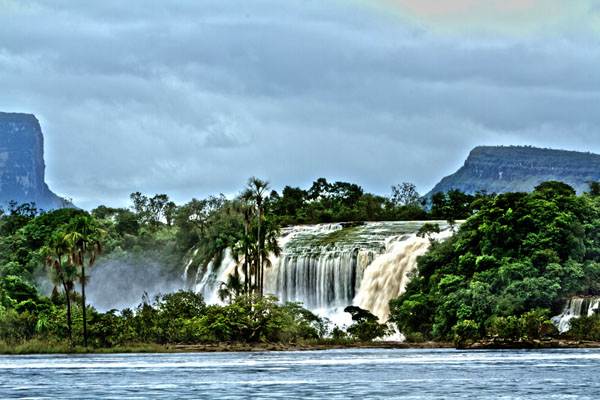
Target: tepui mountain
<point x="502" y="169"/>
<point x="22" y="166"/>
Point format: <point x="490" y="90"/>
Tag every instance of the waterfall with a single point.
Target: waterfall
<point x="323" y="278"/>
<point x="575" y="308"/>
<point x="387" y="276"/>
<point x="330" y="266"/>
<point x="208" y="281"/>
<point x="188" y="265"/>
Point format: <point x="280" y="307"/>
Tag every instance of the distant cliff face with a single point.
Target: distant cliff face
<point x="22" y="163"/>
<point x="520" y="169"/>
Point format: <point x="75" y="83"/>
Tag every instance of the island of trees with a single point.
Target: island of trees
<point x="510" y="265"/>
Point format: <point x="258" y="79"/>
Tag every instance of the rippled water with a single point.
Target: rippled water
<point x="334" y="374"/>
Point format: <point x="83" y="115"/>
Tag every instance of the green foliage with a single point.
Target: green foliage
<point x="183" y="317"/>
<point x="38" y="231"/>
<point x="466" y="331"/>
<point x="519" y="253"/>
<point x="344" y="202"/>
<point x="585" y="328"/>
<point x="531" y="325"/>
<point x="405" y="195"/>
<point x="366" y="326"/>
<point x="127" y="223"/>
<point x="17" y="217"/>
<point x="428" y="229"/>
<point x="18" y="290"/>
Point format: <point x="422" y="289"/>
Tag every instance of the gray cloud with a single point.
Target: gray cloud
<point x="191" y="98"/>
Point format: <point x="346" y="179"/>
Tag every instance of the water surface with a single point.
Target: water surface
<point x="333" y="374"/>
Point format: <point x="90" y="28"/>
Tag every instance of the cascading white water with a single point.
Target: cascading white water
<point x="320" y="279"/>
<point x="387" y="276"/>
<point x="330" y="266"/>
<point x="576" y="307"/>
<point x="188" y="264"/>
<point x="208" y="281"/>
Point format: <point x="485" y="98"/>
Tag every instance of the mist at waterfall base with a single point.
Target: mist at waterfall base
<point x="121" y="282"/>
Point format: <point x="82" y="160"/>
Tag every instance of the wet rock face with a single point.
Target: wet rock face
<point x="22" y="162"/>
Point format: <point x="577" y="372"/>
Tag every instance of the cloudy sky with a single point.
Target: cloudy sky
<point x="192" y="97"/>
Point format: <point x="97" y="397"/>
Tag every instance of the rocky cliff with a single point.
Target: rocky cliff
<point x="504" y="169"/>
<point x="22" y="163"/>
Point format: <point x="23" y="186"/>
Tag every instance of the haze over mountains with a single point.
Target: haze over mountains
<point x="22" y="166"/>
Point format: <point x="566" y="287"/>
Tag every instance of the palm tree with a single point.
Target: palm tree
<point x="270" y="245"/>
<point x="244" y="244"/>
<point x="231" y="289"/>
<point x="62" y="273"/>
<point x="84" y="237"/>
<point x="256" y="190"/>
<point x="241" y="250"/>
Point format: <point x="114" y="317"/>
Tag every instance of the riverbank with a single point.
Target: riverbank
<point x="531" y="344"/>
<point x="36" y="347"/>
<point x="252" y="347"/>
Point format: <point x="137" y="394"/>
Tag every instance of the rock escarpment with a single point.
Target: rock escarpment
<point x="22" y="163"/>
<point x="501" y="169"/>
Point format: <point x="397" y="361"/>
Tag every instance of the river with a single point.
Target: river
<point x="332" y="374"/>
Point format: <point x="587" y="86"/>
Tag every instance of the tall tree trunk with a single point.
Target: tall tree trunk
<point x="246" y="269"/>
<point x="259" y="262"/>
<point x="69" y="329"/>
<point x="68" y="299"/>
<point x="83" y="305"/>
<point x="82" y="260"/>
<point x="262" y="277"/>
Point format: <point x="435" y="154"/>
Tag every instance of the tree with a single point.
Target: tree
<point x="170" y="211"/>
<point x="366" y="326"/>
<point x="594" y="188"/>
<point x="156" y="208"/>
<point x="62" y="273"/>
<point x="17" y="217"/>
<point x="231" y="289"/>
<point x="555" y="188"/>
<point x="270" y="245"/>
<point x="140" y="203"/>
<point x="256" y="190"/>
<point x="126" y="223"/>
<point x="245" y="243"/>
<point x="428" y="230"/>
<point x="405" y="195"/>
<point x="85" y="239"/>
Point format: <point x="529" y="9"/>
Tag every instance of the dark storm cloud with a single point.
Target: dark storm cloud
<point x="192" y="98"/>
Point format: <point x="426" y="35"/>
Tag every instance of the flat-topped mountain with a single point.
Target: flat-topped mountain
<point x="22" y="165"/>
<point x="501" y="169"/>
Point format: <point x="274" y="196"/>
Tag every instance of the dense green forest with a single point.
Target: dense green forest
<point x="507" y="269"/>
<point x="512" y="263"/>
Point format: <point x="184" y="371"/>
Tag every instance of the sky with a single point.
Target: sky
<point x="192" y="97"/>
